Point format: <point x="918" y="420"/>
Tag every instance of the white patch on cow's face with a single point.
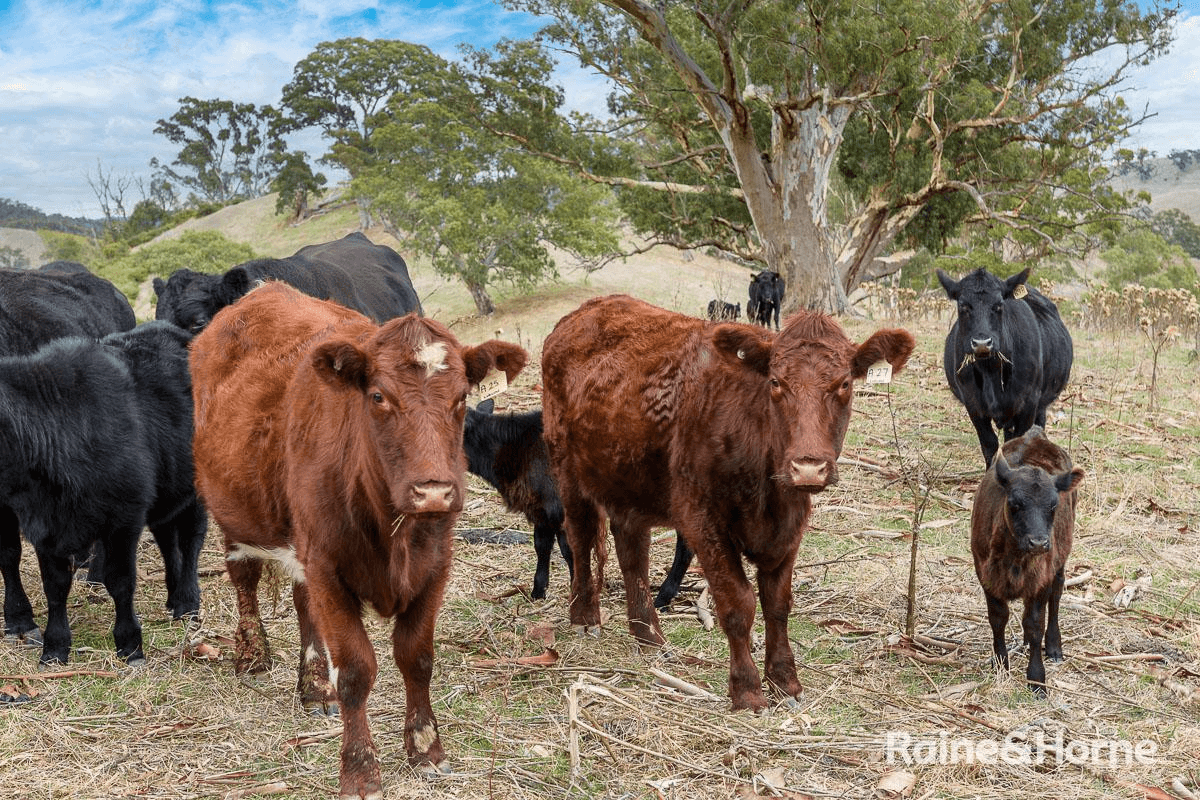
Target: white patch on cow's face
<point x="286" y="556"/>
<point x="433" y="356"/>
<point x="423" y="738"/>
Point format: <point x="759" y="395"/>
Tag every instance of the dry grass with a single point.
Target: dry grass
<point x="597" y="721"/>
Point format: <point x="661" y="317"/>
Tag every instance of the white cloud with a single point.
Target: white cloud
<point x="1169" y="88"/>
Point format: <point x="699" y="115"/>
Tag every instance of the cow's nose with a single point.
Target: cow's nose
<point x="1038" y="543"/>
<point x="809" y="473"/>
<point x="432" y="497"/>
<point x="981" y="346"/>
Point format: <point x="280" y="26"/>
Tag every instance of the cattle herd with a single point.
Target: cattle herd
<point x="310" y="408"/>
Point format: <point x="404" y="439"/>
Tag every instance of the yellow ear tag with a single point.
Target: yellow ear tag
<point x="494" y="383"/>
<point x="1020" y="292"/>
<point x="879" y="372"/>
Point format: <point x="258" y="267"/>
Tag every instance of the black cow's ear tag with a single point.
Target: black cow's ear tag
<point x="494" y="383"/>
<point x="1020" y="292"/>
<point x="879" y="372"/>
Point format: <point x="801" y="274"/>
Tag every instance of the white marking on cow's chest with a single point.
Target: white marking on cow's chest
<point x="285" y="556"/>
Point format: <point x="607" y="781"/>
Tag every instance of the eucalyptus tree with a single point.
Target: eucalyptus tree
<point x="811" y="137"/>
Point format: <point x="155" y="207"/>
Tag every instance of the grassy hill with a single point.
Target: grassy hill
<point x="681" y="282"/>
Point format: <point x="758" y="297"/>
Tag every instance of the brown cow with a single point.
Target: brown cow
<point x="334" y="446"/>
<point x="722" y="431"/>
<point x="1022" y="526"/>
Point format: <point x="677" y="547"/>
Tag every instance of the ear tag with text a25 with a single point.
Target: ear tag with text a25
<point x="494" y="383"/>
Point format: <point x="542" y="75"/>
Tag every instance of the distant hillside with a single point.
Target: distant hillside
<point x="28" y="242"/>
<point x="15" y="214"/>
<point x="1169" y="187"/>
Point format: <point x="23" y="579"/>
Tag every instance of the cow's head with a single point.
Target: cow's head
<point x="190" y="299"/>
<point x="1031" y="498"/>
<point x="809" y="370"/>
<point x="980" y="297"/>
<point x="410" y="380"/>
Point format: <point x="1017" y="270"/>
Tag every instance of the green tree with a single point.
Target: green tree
<point x="738" y="117"/>
<point x="1176" y="227"/>
<point x="294" y="183"/>
<point x="481" y="209"/>
<point x="13" y="258"/>
<point x="229" y="151"/>
<point x="1141" y="256"/>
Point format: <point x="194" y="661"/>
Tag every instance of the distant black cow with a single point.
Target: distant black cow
<point x="720" y="311"/>
<point x="352" y="271"/>
<point x="58" y="299"/>
<point x="507" y="451"/>
<point x="1007" y="356"/>
<point x="95" y="444"/>
<point x="766" y="298"/>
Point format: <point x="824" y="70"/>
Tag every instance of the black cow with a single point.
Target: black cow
<point x="58" y="299"/>
<point x="352" y="271"/>
<point x="507" y="451"/>
<point x="766" y="298"/>
<point x="720" y="311"/>
<point x="95" y="444"/>
<point x="1007" y="356"/>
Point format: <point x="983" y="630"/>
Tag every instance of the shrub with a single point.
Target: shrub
<point x="203" y="251"/>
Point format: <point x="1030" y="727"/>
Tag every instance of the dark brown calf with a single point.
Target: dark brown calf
<point x="1022" y="525"/>
<point x="334" y="446"/>
<point x="722" y="431"/>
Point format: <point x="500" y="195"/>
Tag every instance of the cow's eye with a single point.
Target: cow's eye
<point x="996" y="309"/>
<point x="774" y="383"/>
<point x="377" y="398"/>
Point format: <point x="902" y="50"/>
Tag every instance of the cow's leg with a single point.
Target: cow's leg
<point x="317" y="694"/>
<point x="679" y="567"/>
<point x="1021" y="423"/>
<point x="120" y="578"/>
<point x="584" y="527"/>
<point x="775" y="593"/>
<point x="56" y="583"/>
<point x="353" y="668"/>
<point x="1033" y="622"/>
<point x="180" y="540"/>
<point x="95" y="563"/>
<point x="18" y="613"/>
<point x="412" y="647"/>
<point x="251" y="652"/>
<point x="733" y="598"/>
<point x="1054" y="650"/>
<point x="543" y="547"/>
<point x="997" y="611"/>
<point x="631" y="539"/>
<point x="988" y="442"/>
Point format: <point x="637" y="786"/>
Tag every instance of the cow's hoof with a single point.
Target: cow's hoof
<point x="440" y="768"/>
<point x="30" y="638"/>
<point x="367" y="795"/>
<point x="791" y="704"/>
<point x="587" y="630"/>
<point x="321" y="708"/>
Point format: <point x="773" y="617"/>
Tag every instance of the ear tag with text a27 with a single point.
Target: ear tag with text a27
<point x="494" y="383"/>
<point x="879" y="372"/>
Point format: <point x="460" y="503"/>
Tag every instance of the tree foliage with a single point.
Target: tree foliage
<point x="229" y="151"/>
<point x="480" y="208"/>
<point x="1177" y="228"/>
<point x="731" y="122"/>
<point x="295" y="183"/>
<point x="1141" y="256"/>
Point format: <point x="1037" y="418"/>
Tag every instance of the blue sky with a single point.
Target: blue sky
<point x="87" y="81"/>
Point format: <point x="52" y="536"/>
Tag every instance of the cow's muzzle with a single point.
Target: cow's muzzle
<point x="431" y="497"/>
<point x="812" y="474"/>
<point x="981" y="348"/>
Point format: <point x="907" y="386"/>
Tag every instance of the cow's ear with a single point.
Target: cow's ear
<point x="744" y="345"/>
<point x="160" y="286"/>
<point x="949" y="284"/>
<point x="1012" y="283"/>
<point x="486" y="406"/>
<point x="893" y="345"/>
<point x="1003" y="471"/>
<point x="234" y="284"/>
<point x="1068" y="480"/>
<point x="504" y="356"/>
<point x="340" y="362"/>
